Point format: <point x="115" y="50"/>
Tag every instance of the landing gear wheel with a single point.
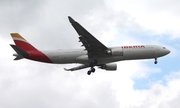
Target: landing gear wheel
<point x="89" y="72"/>
<point x="93" y="70"/>
<point x="92" y="64"/>
<point x="155" y="62"/>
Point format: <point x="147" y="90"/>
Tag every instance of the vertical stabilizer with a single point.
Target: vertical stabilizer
<point x="25" y="50"/>
<point x="22" y="43"/>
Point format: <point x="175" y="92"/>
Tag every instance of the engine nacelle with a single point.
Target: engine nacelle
<point x="109" y="66"/>
<point x="115" y="51"/>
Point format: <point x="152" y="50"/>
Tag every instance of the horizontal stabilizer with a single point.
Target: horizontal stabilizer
<point x="18" y="57"/>
<point x="20" y="53"/>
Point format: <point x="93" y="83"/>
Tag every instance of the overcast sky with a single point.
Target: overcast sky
<point x="136" y="84"/>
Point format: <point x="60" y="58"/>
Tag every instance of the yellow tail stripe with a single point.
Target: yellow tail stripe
<point x="17" y="35"/>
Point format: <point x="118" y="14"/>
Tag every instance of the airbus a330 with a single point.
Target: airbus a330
<point x="93" y="54"/>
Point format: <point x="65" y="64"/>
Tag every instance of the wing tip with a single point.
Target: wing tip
<point x="71" y="20"/>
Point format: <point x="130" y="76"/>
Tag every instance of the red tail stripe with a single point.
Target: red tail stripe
<point x="39" y="56"/>
<point x="24" y="45"/>
<point x="34" y="53"/>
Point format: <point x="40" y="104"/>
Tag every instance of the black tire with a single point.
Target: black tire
<point x="155" y="62"/>
<point x="93" y="70"/>
<point x="89" y="72"/>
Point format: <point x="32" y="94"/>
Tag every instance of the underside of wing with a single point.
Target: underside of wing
<point x="91" y="44"/>
<point x="77" y="68"/>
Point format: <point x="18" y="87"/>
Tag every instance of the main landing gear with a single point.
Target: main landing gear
<point x="92" y="69"/>
<point x="155" y="62"/>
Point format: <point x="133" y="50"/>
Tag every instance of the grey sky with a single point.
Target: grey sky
<point x="45" y="25"/>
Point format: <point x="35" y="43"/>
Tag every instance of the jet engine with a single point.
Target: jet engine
<point x="109" y="66"/>
<point x="115" y="51"/>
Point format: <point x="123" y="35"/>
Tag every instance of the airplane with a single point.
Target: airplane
<point x="93" y="54"/>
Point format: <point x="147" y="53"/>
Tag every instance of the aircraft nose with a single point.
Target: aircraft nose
<point x="167" y="51"/>
<point x="162" y="52"/>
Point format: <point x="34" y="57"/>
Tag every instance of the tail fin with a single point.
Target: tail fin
<point x="22" y="43"/>
<point x="20" y="53"/>
<point x="26" y="50"/>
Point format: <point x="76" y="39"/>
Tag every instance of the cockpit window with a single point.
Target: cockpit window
<point x="164" y="47"/>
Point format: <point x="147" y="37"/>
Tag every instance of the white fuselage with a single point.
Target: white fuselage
<point x="119" y="53"/>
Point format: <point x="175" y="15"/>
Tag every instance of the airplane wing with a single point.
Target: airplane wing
<point x="77" y="68"/>
<point x="91" y="44"/>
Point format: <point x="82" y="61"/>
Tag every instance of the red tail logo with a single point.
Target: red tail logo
<point x="22" y="43"/>
<point x="34" y="54"/>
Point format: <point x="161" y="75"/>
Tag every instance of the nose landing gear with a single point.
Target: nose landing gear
<point x="92" y="69"/>
<point x="155" y="62"/>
